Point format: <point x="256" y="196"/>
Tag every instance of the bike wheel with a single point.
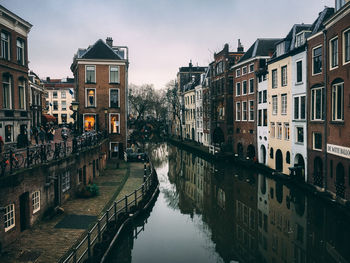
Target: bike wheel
<point x="18" y="160"/>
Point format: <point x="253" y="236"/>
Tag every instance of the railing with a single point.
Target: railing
<point x="116" y="214"/>
<point x="214" y="149"/>
<point x="15" y="159"/>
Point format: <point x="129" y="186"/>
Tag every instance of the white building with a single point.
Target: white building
<point x="262" y="129"/>
<point x="199" y="112"/>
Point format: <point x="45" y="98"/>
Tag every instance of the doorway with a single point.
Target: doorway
<point x="24" y="210"/>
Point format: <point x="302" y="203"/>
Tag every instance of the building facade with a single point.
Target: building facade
<point x="199" y="111"/>
<point x="36" y="99"/>
<point x="101" y="83"/>
<point x="14" y="103"/>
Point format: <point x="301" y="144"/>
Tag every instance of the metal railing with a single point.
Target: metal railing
<point x="83" y="249"/>
<point x="15" y="159"/>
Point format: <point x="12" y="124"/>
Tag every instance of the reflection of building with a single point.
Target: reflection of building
<point x="59" y="96"/>
<point x="14" y="104"/>
<point x="101" y="79"/>
<point x="263" y="217"/>
<point x="190" y="109"/>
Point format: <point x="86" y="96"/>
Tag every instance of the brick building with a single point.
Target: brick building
<point x="101" y="83"/>
<point x="245" y="96"/>
<point x="221" y="93"/>
<point x="14" y="103"/>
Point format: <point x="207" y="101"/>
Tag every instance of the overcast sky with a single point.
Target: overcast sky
<point x="162" y="35"/>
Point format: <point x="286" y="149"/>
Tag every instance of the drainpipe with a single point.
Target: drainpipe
<point x="307" y="115"/>
<point x="325" y="110"/>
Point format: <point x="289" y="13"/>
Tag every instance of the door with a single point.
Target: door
<point x="24" y="210"/>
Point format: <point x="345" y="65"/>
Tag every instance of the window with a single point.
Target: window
<point x="20" y="51"/>
<point x="65" y="181"/>
<point x="63" y="94"/>
<point x="113" y="98"/>
<point x="260" y="97"/>
<point x="89" y="122"/>
<point x="286" y="131"/>
<point x="64" y="118"/>
<point x="114" y="74"/>
<point x="64" y="105"/>
<point x="299" y="108"/>
<point x="54" y="94"/>
<point x="5" y="45"/>
<point x="90" y="98"/>
<point x="114" y="120"/>
<point x="284" y="76"/>
<point x="8" y="133"/>
<point x="7" y="94"/>
<point x="244" y="110"/>
<point x="36" y="201"/>
<point x="300" y="135"/>
<point x="21" y="94"/>
<point x="251" y="86"/>
<point x="244" y="88"/>
<point x="346" y="45"/>
<point x="317" y="104"/>
<point x="300" y="39"/>
<point x="9" y="217"/>
<point x="265" y="117"/>
<point x="317" y="141"/>
<point x="317" y="60"/>
<point x="90" y="74"/>
<point x="299" y="71"/>
<point x="274" y="105"/>
<point x="272" y="130"/>
<point x="274" y="78"/>
<point x="238" y="73"/>
<point x="338" y="102"/>
<point x="55" y="105"/>
<point x="238" y="88"/>
<point x="334" y="52"/>
<point x="251" y="110"/>
<point x="264" y="96"/>
<point x="279" y="131"/>
<point x="259" y="117"/>
<point x="280" y="49"/>
<point x="238" y="111"/>
<point x="244" y="70"/>
<point x="284" y="104"/>
<point x="251" y="68"/>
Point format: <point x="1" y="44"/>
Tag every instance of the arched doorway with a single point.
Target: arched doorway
<point x="240" y="149"/>
<point x="318" y="172"/>
<point x="339" y="183"/>
<point x="262" y="155"/>
<point x="279" y="161"/>
<point x="251" y="151"/>
<point x="218" y="136"/>
<point x="300" y="165"/>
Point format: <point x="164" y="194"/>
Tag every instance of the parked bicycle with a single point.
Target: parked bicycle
<point x="13" y="159"/>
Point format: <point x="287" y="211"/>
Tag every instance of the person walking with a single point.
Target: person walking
<point x="36" y="135"/>
<point x="42" y="135"/>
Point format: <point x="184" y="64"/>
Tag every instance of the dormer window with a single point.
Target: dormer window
<point x="280" y="49"/>
<point x="300" y="39"/>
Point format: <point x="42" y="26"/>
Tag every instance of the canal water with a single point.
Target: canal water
<point x="219" y="212"/>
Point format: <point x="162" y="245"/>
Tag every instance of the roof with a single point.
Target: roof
<point x="99" y="50"/>
<point x="16" y="17"/>
<point x="322" y="17"/>
<point x="261" y="47"/>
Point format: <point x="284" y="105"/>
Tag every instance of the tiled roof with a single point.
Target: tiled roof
<point x="261" y="47"/>
<point x="100" y="50"/>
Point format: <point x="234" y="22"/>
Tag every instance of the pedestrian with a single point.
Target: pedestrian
<point x="42" y="135"/>
<point x="36" y="135"/>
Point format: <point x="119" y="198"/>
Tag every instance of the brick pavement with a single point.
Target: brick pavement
<point x="51" y="243"/>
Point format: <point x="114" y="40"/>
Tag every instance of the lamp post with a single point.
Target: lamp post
<point x="75" y="106"/>
<point x="106" y="111"/>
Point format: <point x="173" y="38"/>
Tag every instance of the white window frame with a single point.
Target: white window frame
<point x="8" y="45"/>
<point x="53" y="95"/>
<point x="65" y="177"/>
<point x="312" y="62"/>
<point x="86" y="98"/>
<point x="246" y="89"/>
<point x="118" y="77"/>
<point x="335" y="101"/>
<point x="299" y="107"/>
<point x="300" y="39"/>
<point x="238" y="72"/>
<point x="313" y="107"/>
<point x="109" y="93"/>
<point x="314" y="141"/>
<point x="110" y="116"/>
<point x="244" y="69"/>
<point x="274" y="105"/>
<point x="284" y="76"/>
<point x="251" y="110"/>
<point x="279" y="131"/>
<point x="284" y="104"/>
<point x="86" y="66"/>
<point x="274" y="79"/>
<point x="24" y="92"/>
<point x="286" y="131"/>
<point x="252" y="64"/>
<point x="331" y="67"/>
<point x="10" y="91"/>
<point x="244" y="111"/>
<point x="9" y="217"/>
<point x="249" y="91"/>
<point x="65" y="106"/>
<point x="296" y="70"/>
<point x="20" y="49"/>
<point x="347" y="31"/>
<point x="296" y="134"/>
<point x="272" y="130"/>
<point x="238" y="111"/>
<point x="36" y="201"/>
<point x="63" y="94"/>
<point x="53" y="105"/>
<point x="240" y="89"/>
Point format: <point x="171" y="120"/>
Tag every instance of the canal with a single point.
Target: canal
<point x="219" y="212"/>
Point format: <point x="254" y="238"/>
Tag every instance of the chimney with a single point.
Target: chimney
<point x="109" y="41"/>
<point x="190" y="64"/>
<point x="47" y="79"/>
<point x="240" y="48"/>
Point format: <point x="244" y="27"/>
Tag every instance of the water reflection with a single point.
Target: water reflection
<point x="216" y="212"/>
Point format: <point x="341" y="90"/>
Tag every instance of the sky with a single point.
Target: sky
<point x="162" y="35"/>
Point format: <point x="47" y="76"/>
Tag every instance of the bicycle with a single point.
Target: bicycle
<point x="16" y="159"/>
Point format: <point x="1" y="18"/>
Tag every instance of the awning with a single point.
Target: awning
<point x="48" y="118"/>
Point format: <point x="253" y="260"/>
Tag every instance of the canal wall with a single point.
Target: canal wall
<point x="34" y="193"/>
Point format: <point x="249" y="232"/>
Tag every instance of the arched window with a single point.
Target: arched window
<point x="288" y="157"/>
<point x="271" y="153"/>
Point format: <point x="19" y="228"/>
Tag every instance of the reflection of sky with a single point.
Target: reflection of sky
<point x="162" y="35"/>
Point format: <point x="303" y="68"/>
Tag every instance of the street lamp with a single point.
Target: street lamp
<point x="75" y="106"/>
<point x="106" y="111"/>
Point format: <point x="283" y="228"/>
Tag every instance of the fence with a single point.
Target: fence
<point x="15" y="159"/>
<point x="117" y="213"/>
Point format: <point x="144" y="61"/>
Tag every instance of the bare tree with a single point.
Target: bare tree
<point x="141" y="99"/>
<point x="174" y="102"/>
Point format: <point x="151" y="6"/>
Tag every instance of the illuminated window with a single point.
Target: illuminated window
<point x="65" y="181"/>
<point x="114" y="120"/>
<point x="90" y="98"/>
<point x="89" y="122"/>
<point x="114" y="98"/>
<point x="36" y="201"/>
